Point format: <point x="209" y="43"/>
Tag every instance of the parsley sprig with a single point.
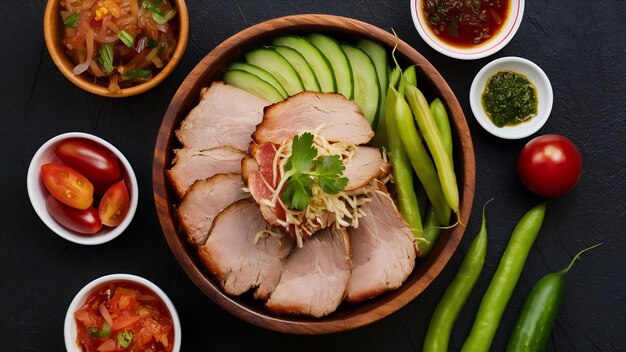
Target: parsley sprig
<point x="304" y="168"/>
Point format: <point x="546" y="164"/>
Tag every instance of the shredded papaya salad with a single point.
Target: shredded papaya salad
<point x="126" y="41"/>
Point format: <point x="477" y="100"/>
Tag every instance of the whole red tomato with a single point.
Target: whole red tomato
<point x="550" y="165"/>
<point x="92" y="160"/>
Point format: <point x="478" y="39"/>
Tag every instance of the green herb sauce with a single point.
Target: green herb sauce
<point x="509" y="98"/>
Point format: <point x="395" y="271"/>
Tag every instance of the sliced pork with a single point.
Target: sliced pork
<point x="190" y="165"/>
<point x="365" y="165"/>
<point x="225" y="116"/>
<point x="236" y="261"/>
<point x="330" y="115"/>
<point x="204" y="201"/>
<point x="314" y="277"/>
<point x="383" y="254"/>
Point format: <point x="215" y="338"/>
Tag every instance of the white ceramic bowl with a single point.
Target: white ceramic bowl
<point x="489" y="47"/>
<point x="38" y="193"/>
<point x="70" y="326"/>
<point x="535" y="75"/>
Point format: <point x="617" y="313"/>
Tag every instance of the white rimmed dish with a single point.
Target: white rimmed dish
<point x="38" y="193"/>
<point x="70" y="328"/>
<point x="534" y="74"/>
<point x="484" y="49"/>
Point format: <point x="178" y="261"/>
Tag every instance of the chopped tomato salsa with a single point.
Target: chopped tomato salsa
<point x="124" y="317"/>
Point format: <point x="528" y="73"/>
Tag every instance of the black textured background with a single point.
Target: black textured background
<point x="581" y="46"/>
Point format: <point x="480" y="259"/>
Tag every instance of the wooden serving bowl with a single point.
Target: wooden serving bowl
<point x="54" y="32"/>
<point x="210" y="69"/>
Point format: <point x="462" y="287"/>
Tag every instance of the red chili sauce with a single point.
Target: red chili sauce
<point x="465" y="23"/>
<point x="124" y="317"/>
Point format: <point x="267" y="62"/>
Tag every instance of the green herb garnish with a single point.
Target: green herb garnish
<point x="148" y="5"/>
<point x="106" y="57"/>
<point x="124" y="338"/>
<point x="509" y="98"/>
<point x="103" y="332"/>
<point x="136" y="74"/>
<point x="126" y="38"/>
<point x="71" y="21"/>
<point x="303" y="169"/>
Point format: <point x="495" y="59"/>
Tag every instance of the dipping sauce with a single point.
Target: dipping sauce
<point x="120" y="42"/>
<point x="124" y="317"/>
<point x="509" y="98"/>
<point x="465" y="23"/>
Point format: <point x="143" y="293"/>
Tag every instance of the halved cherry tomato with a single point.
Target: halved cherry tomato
<point x="82" y="221"/>
<point x="92" y="160"/>
<point x="114" y="204"/>
<point x="67" y="185"/>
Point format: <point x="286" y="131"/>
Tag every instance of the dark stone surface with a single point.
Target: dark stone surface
<point x="581" y="46"/>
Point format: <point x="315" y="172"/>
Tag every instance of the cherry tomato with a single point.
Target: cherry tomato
<point x="83" y="221"/>
<point x="114" y="205"/>
<point x="67" y="185"/>
<point x="550" y="165"/>
<point x="92" y="160"/>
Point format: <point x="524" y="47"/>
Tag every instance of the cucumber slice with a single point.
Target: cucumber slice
<point x="252" y="84"/>
<point x="366" y="87"/>
<point x="318" y="62"/>
<point x="277" y="66"/>
<point x="261" y="73"/>
<point x="301" y="66"/>
<point x="378" y="54"/>
<point x="339" y="62"/>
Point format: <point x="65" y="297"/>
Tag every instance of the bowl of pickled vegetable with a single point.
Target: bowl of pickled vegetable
<point x="116" y="48"/>
<point x="122" y="312"/>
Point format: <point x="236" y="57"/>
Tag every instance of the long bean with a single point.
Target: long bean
<point x="409" y="78"/>
<point x="443" y="124"/>
<point x="448" y="309"/>
<point x="421" y="161"/>
<point x="426" y="123"/>
<point x="432" y="229"/>
<point x="504" y="281"/>
<point x="402" y="173"/>
<point x="381" y="138"/>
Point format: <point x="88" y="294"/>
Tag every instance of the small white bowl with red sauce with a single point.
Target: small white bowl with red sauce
<point x="39" y="193"/>
<point x="457" y="39"/>
<point x="154" y="299"/>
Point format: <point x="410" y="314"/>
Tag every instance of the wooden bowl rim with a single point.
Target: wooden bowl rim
<point x="366" y="312"/>
<point x="65" y="65"/>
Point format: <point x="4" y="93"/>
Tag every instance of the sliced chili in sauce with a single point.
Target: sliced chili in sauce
<point x="137" y="320"/>
<point x="465" y="23"/>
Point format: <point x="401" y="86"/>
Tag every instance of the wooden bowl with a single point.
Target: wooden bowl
<point x="211" y="68"/>
<point x="54" y="31"/>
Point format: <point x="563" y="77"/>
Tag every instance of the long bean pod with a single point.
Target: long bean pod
<point x="438" y="110"/>
<point x="402" y="173"/>
<point x="421" y="161"/>
<point x="453" y="300"/>
<point x="538" y="314"/>
<point x="426" y="123"/>
<point x="381" y="138"/>
<point x="505" y="279"/>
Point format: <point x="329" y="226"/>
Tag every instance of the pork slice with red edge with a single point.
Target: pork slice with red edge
<point x="190" y="165"/>
<point x="225" y="116"/>
<point x="330" y="115"/>
<point x="261" y="182"/>
<point x="314" y="277"/>
<point x="235" y="260"/>
<point x="204" y="201"/>
<point x="383" y="253"/>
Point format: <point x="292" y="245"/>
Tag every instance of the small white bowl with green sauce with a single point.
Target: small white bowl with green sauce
<point x="508" y="97"/>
